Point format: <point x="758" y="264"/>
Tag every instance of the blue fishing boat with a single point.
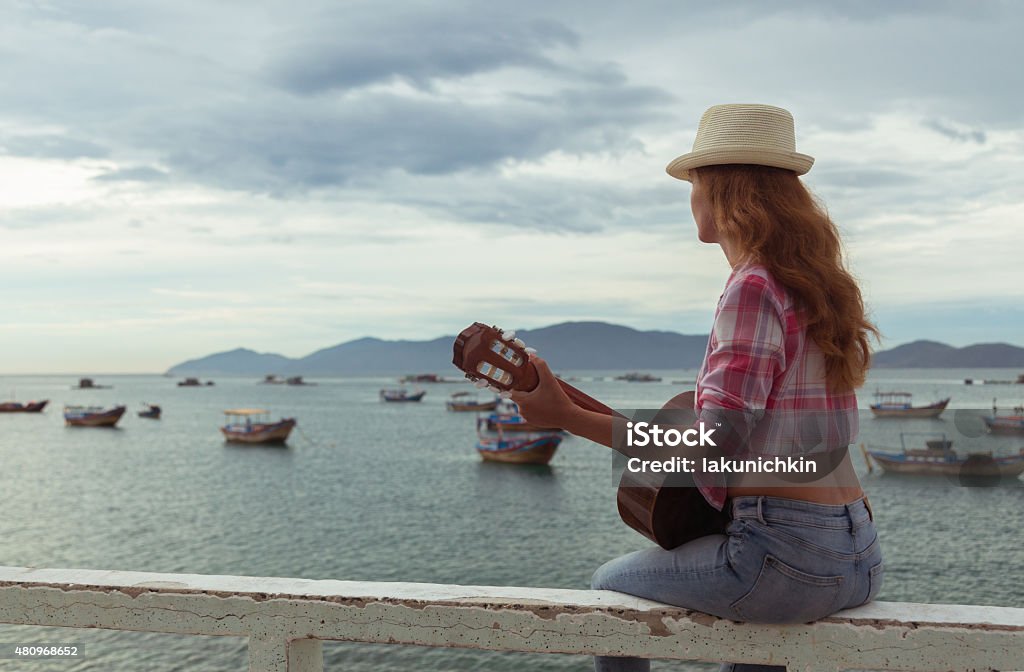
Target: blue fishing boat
<point x="507" y="418"/>
<point x="529" y="449"/>
<point x="938" y="458"/>
<point x="1005" y="424"/>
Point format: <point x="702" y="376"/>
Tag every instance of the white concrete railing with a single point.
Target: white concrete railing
<point x="286" y="620"/>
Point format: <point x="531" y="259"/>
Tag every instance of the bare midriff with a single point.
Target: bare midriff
<point x="840" y="486"/>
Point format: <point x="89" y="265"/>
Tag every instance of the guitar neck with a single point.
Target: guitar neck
<point x="585" y="401"/>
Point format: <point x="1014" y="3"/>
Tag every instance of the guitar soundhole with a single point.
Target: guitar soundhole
<point x="495" y="374"/>
<point x="506" y="353"/>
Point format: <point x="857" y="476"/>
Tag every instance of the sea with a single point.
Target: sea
<point x="376" y="491"/>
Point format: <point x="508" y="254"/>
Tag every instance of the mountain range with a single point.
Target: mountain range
<point x="569" y="346"/>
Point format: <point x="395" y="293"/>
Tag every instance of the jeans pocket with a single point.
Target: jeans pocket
<point x="875" y="575"/>
<point x="782" y="594"/>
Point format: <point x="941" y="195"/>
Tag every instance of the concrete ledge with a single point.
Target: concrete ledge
<point x="285" y="619"/>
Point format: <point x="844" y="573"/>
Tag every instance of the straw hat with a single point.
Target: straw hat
<point x="753" y="134"/>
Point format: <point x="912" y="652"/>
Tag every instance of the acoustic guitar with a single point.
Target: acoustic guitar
<point x="668" y="509"/>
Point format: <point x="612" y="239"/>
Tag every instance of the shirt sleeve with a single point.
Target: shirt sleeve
<point x="747" y="354"/>
<point x="748" y="348"/>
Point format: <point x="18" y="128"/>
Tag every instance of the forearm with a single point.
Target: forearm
<point x="590" y="425"/>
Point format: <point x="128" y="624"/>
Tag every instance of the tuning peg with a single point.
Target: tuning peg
<point x="530" y="351"/>
<point x="480" y="384"/>
<point x="505" y="394"/>
<point x="508" y="334"/>
<point x="519" y="342"/>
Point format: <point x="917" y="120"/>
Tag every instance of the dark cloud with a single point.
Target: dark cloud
<point x="343" y="52"/>
<point x="292" y="146"/>
<point x="969" y="135"/>
<point x="290" y="99"/>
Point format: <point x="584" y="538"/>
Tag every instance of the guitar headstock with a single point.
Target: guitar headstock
<point x="494" y="359"/>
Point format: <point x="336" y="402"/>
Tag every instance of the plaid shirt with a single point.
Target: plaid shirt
<point x="759" y="359"/>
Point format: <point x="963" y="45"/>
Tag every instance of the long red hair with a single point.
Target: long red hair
<point x="772" y="219"/>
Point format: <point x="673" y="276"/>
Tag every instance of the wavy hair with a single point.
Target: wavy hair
<point x="774" y="220"/>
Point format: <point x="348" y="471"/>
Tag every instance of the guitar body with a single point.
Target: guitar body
<point x="669" y="514"/>
<point x="668" y="509"/>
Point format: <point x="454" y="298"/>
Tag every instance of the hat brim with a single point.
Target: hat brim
<point x="759" y="156"/>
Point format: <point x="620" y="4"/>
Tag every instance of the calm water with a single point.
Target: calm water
<point x="396" y="492"/>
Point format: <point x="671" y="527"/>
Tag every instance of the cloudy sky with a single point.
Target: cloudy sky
<point x="183" y="178"/>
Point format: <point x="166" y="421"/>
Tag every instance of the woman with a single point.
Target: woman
<point x="790" y="339"/>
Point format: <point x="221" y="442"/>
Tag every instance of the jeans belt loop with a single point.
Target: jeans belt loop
<point x="760" y="510"/>
<point x="867" y="505"/>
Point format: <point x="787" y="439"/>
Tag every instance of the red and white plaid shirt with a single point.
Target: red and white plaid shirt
<point x="759" y="359"/>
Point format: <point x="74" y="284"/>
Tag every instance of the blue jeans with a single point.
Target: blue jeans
<point x="780" y="561"/>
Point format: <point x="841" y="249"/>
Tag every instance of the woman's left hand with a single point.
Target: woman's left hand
<point x="546" y="405"/>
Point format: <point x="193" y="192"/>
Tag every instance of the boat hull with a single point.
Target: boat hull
<point x="537" y="450"/>
<point x="99" y="419"/>
<point x="457" y="407"/>
<point x="1005" y="424"/>
<point x="18" y="407"/>
<point x="403" y="399"/>
<point x="517" y="426"/>
<point x="259" y="433"/>
<point x="973" y="466"/>
<point x="929" y="411"/>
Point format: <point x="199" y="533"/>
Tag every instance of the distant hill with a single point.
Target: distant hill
<point x="568" y="346"/>
<point x="930" y="354"/>
<point x="240" y="361"/>
<point x="571" y="345"/>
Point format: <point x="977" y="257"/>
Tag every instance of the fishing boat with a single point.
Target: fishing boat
<point x="28" y="407"/>
<point x="635" y="377"/>
<point x="938" y="458"/>
<point x="194" y="382"/>
<point x="89" y="384"/>
<point x="401" y="395"/>
<point x="422" y="378"/>
<point x="425" y="378"/>
<point x="531" y="449"/>
<point x="898" y="405"/>
<point x="152" y="411"/>
<point x="466" y="402"/>
<point x="271" y="379"/>
<point x="507" y="418"/>
<point x="92" y="416"/>
<point x="1005" y="424"/>
<point x="253" y="425"/>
